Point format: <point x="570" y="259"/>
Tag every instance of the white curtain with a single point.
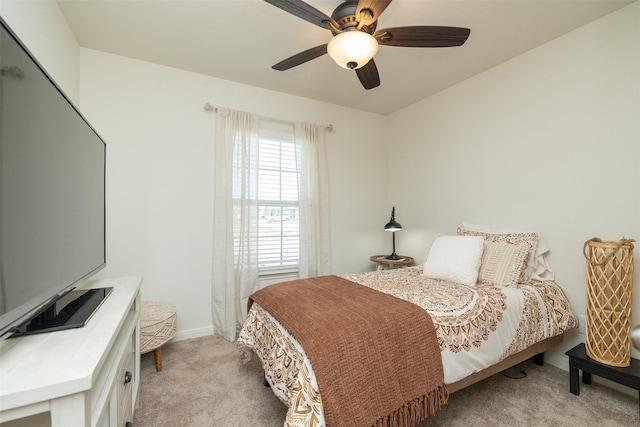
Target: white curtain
<point x="313" y="201"/>
<point x="235" y="231"/>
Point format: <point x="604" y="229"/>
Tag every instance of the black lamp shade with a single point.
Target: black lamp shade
<point x="392" y="225"/>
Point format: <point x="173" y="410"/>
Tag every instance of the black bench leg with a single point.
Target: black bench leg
<point x="538" y="359"/>
<point x="586" y="377"/>
<point x="574" y="381"/>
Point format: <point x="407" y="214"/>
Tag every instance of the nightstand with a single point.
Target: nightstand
<point x="383" y="262"/>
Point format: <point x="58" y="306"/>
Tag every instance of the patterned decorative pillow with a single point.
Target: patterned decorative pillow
<point x="503" y="263"/>
<point x="455" y="258"/>
<point x="537" y="268"/>
<point x="530" y="239"/>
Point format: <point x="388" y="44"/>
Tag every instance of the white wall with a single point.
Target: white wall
<point x="43" y="29"/>
<point x="549" y="141"/>
<point x="160" y="174"/>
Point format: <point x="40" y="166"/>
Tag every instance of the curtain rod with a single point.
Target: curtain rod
<point x="209" y="107"/>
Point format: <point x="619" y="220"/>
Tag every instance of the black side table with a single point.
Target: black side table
<point x="578" y="359"/>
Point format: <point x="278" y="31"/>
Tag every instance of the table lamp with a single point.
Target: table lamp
<point x="393" y="226"/>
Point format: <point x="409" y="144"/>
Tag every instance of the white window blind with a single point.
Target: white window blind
<point x="278" y="177"/>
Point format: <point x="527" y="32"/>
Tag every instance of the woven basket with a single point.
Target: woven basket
<point x="609" y="285"/>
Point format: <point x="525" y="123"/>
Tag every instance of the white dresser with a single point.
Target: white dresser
<point x="78" y="377"/>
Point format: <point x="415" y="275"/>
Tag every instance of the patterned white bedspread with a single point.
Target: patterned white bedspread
<point x="477" y="326"/>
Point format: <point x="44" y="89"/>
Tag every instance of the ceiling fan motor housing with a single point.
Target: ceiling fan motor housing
<point x="345" y="16"/>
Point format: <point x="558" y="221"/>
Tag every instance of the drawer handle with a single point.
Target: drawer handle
<point x="127" y="377"/>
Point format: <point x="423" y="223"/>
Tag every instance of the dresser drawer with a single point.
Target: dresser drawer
<point x="124" y="384"/>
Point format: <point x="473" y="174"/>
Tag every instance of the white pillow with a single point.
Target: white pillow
<point x="455" y="258"/>
<point x="537" y="267"/>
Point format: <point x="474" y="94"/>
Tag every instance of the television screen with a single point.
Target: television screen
<point x="52" y="203"/>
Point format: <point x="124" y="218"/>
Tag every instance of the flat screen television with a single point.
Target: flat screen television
<point x="52" y="202"/>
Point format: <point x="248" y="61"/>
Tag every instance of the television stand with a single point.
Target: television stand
<point x="80" y="377"/>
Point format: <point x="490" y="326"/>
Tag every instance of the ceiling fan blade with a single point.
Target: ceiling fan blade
<point x="375" y="6"/>
<point x="301" y="58"/>
<point x="368" y="75"/>
<point x="304" y="11"/>
<point x="422" y="36"/>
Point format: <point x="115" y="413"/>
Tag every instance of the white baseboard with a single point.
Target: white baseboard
<point x="557" y="360"/>
<point x="193" y="333"/>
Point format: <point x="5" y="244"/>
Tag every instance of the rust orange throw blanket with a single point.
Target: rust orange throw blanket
<point x="376" y="357"/>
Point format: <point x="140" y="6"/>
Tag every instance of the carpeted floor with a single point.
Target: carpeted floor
<point x="204" y="384"/>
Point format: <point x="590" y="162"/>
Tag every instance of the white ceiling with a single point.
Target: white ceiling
<point x="239" y="40"/>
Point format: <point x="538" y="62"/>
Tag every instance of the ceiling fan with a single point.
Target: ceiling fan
<point x="353" y="24"/>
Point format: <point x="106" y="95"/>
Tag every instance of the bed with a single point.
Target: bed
<point x="491" y="303"/>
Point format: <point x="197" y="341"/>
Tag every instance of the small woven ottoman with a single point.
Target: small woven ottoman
<point x="157" y="326"/>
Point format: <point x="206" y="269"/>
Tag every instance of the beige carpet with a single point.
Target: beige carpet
<point x="203" y="383"/>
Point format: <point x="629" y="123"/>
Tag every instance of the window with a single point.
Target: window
<point x="278" y="222"/>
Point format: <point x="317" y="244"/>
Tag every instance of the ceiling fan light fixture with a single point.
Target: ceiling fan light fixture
<point x="352" y="49"/>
